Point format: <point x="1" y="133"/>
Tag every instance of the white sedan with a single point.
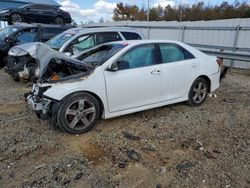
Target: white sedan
<point x="120" y="78"/>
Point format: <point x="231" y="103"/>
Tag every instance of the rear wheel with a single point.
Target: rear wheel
<point x="198" y="92"/>
<point x="78" y="113"/>
<point x="16" y="17"/>
<point x="59" y="20"/>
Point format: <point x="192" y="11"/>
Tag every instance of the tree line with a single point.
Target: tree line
<point x="195" y="12"/>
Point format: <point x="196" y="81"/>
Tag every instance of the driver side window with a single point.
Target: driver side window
<point x="82" y="43"/>
<point x="139" y="56"/>
<point x="26" y="36"/>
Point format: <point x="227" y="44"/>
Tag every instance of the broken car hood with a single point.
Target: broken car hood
<point x="24" y="49"/>
<point x="43" y="54"/>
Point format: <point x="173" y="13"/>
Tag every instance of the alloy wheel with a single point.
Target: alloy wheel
<point x="80" y="114"/>
<point x="16" y="17"/>
<point x="199" y="92"/>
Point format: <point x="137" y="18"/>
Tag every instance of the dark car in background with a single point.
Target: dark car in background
<point x="23" y="33"/>
<point x="38" y="13"/>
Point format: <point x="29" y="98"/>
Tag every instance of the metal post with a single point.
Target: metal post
<point x="183" y="33"/>
<point x="235" y="42"/>
<point x="148" y="20"/>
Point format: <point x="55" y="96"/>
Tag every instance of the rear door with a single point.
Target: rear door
<point x="179" y="68"/>
<point x="35" y="13"/>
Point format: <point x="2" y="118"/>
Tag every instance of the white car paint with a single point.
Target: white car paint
<point x="132" y="90"/>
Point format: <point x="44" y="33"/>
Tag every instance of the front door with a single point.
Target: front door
<point x="137" y="82"/>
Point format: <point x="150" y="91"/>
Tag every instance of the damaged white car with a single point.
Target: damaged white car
<point x="120" y="78"/>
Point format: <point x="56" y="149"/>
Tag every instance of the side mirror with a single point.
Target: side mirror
<point x="114" y="67"/>
<point x="9" y="40"/>
<point x="119" y="65"/>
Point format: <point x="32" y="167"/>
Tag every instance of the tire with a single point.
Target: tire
<point x="59" y="20"/>
<point x="16" y="17"/>
<point x="78" y="113"/>
<point x="198" y="92"/>
<point x="3" y="61"/>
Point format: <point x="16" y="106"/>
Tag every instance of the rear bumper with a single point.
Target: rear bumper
<point x="215" y="81"/>
<point x="67" y="20"/>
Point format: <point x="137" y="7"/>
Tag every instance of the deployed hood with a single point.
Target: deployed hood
<point x="24" y="49"/>
<point x="44" y="54"/>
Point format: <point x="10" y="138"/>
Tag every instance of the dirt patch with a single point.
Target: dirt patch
<point x="172" y="146"/>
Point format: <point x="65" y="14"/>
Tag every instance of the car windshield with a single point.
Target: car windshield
<point x="57" y="41"/>
<point x="7" y="31"/>
<point x="101" y="54"/>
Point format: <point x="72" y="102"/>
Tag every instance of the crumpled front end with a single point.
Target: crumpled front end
<point x="21" y="62"/>
<point x="21" y="67"/>
<point x="41" y="105"/>
<point x="38" y="62"/>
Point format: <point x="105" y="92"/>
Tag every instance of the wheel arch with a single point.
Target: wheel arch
<point x="207" y="79"/>
<point x="91" y="93"/>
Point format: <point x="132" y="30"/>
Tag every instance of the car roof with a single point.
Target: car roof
<point x="23" y="25"/>
<point x="132" y="42"/>
<point x="81" y="30"/>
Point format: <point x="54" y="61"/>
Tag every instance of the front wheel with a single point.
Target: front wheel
<point x="59" y="20"/>
<point x="78" y="113"/>
<point x="198" y="92"/>
<point x="15" y="17"/>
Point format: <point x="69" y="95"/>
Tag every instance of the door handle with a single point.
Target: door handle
<point x="156" y="72"/>
<point x="194" y="64"/>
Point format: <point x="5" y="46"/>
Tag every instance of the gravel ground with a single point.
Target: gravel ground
<point x="172" y="146"/>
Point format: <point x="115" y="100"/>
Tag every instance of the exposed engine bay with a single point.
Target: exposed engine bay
<point x="38" y="62"/>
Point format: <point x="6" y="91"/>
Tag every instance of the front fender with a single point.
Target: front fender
<point x="89" y="84"/>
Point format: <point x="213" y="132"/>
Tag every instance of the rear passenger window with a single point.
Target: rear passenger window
<point x="171" y="53"/>
<point x="140" y="56"/>
<point x="131" y="36"/>
<point x="107" y="37"/>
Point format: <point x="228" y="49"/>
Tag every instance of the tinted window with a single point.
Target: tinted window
<point x="107" y="37"/>
<point x="48" y="33"/>
<point x="187" y="54"/>
<point x="42" y="7"/>
<point x="171" y="53"/>
<point x="131" y="36"/>
<point x="139" y="56"/>
<point x="52" y="30"/>
<point x="26" y="36"/>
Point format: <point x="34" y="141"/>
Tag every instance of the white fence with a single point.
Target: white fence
<point x="230" y="35"/>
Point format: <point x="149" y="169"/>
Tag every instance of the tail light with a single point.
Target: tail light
<point x="219" y="61"/>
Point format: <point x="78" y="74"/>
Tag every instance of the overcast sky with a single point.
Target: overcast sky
<point x="93" y="10"/>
